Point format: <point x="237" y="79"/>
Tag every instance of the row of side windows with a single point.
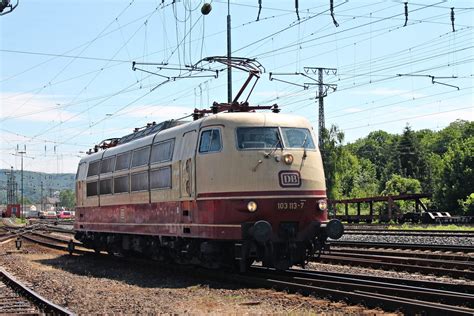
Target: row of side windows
<point x="160" y="152"/>
<point x="157" y="179"/>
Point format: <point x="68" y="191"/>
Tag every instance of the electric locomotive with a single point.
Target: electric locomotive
<point x="226" y="187"/>
<point x="231" y="187"/>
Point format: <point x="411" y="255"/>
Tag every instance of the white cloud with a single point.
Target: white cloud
<point x="32" y="107"/>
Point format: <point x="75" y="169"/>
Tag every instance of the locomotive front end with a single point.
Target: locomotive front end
<point x="270" y="180"/>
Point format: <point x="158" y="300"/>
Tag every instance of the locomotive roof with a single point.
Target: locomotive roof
<point x="256" y="119"/>
<point x="234" y="119"/>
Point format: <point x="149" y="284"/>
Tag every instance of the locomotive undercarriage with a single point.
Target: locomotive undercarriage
<point x="257" y="244"/>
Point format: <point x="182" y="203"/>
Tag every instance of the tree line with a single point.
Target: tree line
<point x="424" y="161"/>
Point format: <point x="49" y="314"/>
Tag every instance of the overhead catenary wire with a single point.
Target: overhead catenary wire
<point x="295" y="99"/>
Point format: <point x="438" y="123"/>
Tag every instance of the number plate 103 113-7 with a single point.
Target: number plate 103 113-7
<point x="290" y="205"/>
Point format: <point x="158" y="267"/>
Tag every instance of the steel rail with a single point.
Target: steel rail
<point x="39" y="301"/>
<point x="56" y="245"/>
<point x="460" y="234"/>
<point x="392" y="258"/>
<point x="365" y="244"/>
<point x="408" y="254"/>
<point x="451" y="287"/>
<point x="379" y="263"/>
<point x="359" y="283"/>
<point x="340" y="291"/>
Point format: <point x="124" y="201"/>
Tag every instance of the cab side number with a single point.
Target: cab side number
<point x="290" y="205"/>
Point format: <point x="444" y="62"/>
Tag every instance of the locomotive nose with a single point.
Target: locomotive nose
<point x="334" y="229"/>
<point x="261" y="231"/>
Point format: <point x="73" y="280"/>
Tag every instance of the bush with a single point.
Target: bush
<point x="468" y="205"/>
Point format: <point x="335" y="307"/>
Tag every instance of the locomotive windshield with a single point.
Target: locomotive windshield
<point x="297" y="138"/>
<point x="270" y="137"/>
<point x="258" y="137"/>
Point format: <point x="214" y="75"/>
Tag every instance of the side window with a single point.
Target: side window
<point x="105" y="186"/>
<point x="140" y="157"/>
<point x="139" y="181"/>
<point x="162" y="151"/>
<point x="121" y="184"/>
<point x="161" y="178"/>
<point x="93" y="168"/>
<point x="91" y="188"/>
<point x="123" y="161"/>
<point x="107" y="165"/>
<point x="210" y="141"/>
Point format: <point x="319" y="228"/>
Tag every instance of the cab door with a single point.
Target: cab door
<point x="187" y="161"/>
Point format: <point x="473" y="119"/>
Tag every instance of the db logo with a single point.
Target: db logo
<point x="289" y="179"/>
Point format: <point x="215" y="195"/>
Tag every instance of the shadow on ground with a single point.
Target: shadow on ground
<point x="139" y="272"/>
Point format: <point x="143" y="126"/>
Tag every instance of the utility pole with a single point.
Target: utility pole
<point x="229" y="53"/>
<point x="11" y="187"/>
<point x="22" y="192"/>
<point x="322" y="92"/>
<point x="42" y="202"/>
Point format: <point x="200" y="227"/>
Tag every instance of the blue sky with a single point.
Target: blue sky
<point x="66" y="78"/>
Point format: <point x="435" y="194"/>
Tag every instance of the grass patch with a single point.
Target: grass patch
<point x="408" y="226"/>
<point x="20" y="221"/>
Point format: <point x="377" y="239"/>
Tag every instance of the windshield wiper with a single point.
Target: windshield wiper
<point x="275" y="147"/>
<point x="305" y="154"/>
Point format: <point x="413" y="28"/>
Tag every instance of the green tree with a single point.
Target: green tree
<point x="468" y="205"/>
<point x="410" y="159"/>
<point x="377" y="147"/>
<point x="439" y="142"/>
<point x="67" y="198"/>
<point x="355" y="177"/>
<point x="330" y="152"/>
<point x="456" y="178"/>
<point x="399" y="185"/>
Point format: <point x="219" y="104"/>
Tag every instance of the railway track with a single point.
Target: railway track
<point x="419" y="265"/>
<point x="385" y="245"/>
<point x="16" y="298"/>
<point x="458" y="266"/>
<point x="404" y="257"/>
<point x="417" y="233"/>
<point x="391" y="294"/>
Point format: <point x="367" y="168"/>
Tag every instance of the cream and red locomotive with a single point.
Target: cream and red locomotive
<point x="225" y="189"/>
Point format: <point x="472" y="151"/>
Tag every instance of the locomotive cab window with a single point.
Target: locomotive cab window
<point x="298" y="138"/>
<point x="258" y="137"/>
<point x="210" y="141"/>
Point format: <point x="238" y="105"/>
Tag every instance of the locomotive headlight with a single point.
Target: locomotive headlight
<point x="251" y="206"/>
<point x="323" y="205"/>
<point x="288" y="159"/>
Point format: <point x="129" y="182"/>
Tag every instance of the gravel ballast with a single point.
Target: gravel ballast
<point x="88" y="284"/>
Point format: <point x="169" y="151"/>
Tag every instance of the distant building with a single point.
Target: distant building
<point x="50" y="202"/>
